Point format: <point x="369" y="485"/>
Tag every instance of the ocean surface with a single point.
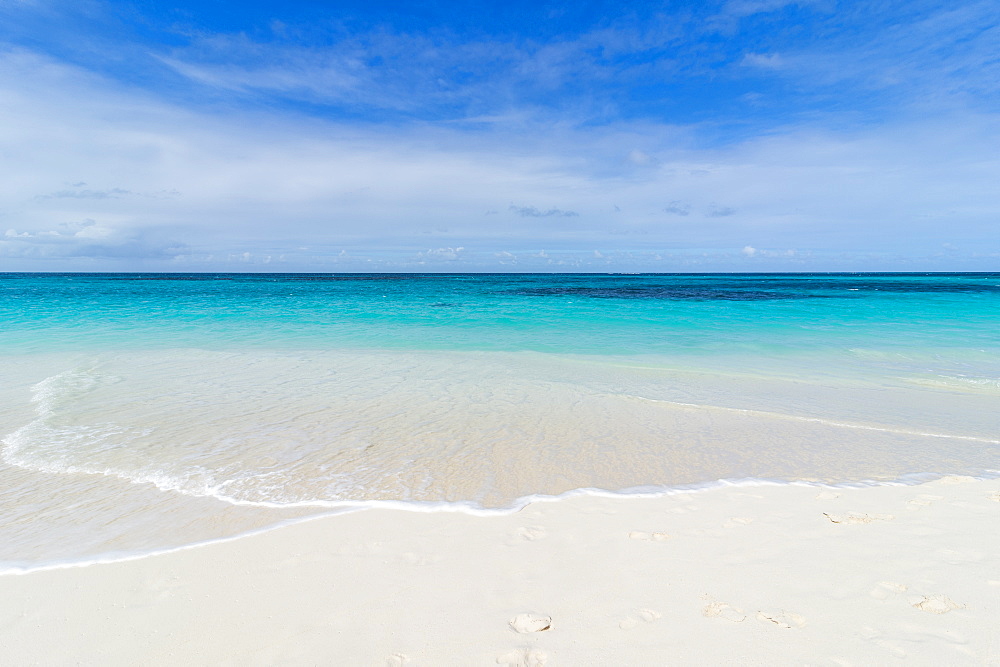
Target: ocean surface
<point x="143" y="412"/>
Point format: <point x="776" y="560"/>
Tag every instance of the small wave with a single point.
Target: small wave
<point x="463" y="507"/>
<point x="47" y="445"/>
<point x="825" y="422"/>
<point x="46" y="394"/>
<point x="966" y="382"/>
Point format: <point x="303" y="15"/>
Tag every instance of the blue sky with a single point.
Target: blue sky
<point x="740" y="135"/>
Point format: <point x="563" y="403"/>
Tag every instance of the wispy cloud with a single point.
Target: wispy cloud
<point x="833" y="130"/>
<point x="78" y="191"/>
<point x="112" y="193"/>
<point x="762" y="60"/>
<point x="628" y="65"/>
<point x="929" y="55"/>
<point x="741" y="8"/>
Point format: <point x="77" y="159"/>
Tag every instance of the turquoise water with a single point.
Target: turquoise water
<point x="590" y="314"/>
<point x="151" y="410"/>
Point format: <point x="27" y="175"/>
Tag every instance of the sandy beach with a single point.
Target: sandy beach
<point x="757" y="574"/>
<point x="518" y="334"/>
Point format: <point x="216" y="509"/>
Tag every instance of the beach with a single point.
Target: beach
<point x="746" y="574"/>
<point x="525" y="334"/>
<point x="521" y="470"/>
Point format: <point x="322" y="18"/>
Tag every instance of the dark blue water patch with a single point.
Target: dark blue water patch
<point x="755" y="287"/>
<point x="840" y="283"/>
<point x="666" y="293"/>
<point x="345" y="278"/>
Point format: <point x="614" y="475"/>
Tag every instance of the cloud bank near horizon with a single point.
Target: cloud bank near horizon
<point x="613" y="144"/>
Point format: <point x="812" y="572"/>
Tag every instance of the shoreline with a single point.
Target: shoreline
<point x="784" y="572"/>
<point x="339" y="507"/>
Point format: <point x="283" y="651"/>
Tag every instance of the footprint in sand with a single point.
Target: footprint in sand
<point x="921" y="501"/>
<point x="956" y="479"/>
<point x="637" y="617"/>
<point x="740" y="521"/>
<point x="995" y="497"/>
<point x="648" y="537"/>
<point x="523" y="657"/>
<point x="531" y="533"/>
<point x="781" y="618"/>
<point x="858" y="517"/>
<point x="397" y="660"/>
<point x="724" y="610"/>
<point x="827" y="495"/>
<point x="935" y="604"/>
<point x="884" y="589"/>
<point x="525" y="623"/>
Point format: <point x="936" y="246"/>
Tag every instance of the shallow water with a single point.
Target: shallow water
<point x="142" y="412"/>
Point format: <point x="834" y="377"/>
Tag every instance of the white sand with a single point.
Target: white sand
<point x="740" y="575"/>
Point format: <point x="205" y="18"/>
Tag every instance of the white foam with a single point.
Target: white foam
<point x="963" y="382"/>
<point x="44" y="447"/>
<point x="89" y="442"/>
<point x="825" y="422"/>
<point x="468" y="508"/>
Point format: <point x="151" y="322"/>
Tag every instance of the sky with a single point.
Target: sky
<point x="444" y="136"/>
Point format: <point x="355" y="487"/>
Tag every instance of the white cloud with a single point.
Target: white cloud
<point x="762" y="60"/>
<point x="749" y="251"/>
<point x="533" y="212"/>
<point x="443" y="254"/>
<point x="168" y="188"/>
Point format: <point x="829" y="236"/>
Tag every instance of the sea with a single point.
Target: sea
<point x="147" y="412"/>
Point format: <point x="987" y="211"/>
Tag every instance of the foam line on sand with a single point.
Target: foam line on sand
<point x="784" y="574"/>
